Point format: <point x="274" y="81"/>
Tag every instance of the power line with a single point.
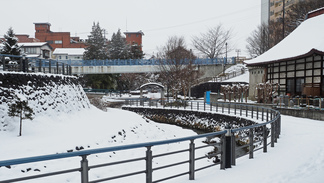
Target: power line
<point x="204" y="20"/>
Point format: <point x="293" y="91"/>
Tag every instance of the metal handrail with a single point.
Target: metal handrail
<point x="224" y="152"/>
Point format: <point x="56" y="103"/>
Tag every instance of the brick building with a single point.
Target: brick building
<point x="56" y="39"/>
<point x="134" y="38"/>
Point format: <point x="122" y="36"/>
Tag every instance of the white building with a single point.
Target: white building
<point x="68" y="53"/>
<point x="40" y="50"/>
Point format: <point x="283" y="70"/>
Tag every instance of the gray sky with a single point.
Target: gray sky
<point x="158" y="19"/>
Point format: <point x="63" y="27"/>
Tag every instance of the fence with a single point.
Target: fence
<point x="23" y="64"/>
<point x="252" y="138"/>
<point x="221" y="77"/>
<point x="308" y="103"/>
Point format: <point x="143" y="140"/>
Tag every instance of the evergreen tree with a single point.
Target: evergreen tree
<point x="118" y="47"/>
<point x="136" y="52"/>
<point x="96" y="44"/>
<point x="11" y="43"/>
<point x="20" y="109"/>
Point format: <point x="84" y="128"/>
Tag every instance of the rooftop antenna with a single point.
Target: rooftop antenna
<point x="126" y="24"/>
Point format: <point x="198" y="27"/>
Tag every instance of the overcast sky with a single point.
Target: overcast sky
<point x="158" y="19"/>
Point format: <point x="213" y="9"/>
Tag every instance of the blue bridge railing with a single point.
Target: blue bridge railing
<point x="138" y="62"/>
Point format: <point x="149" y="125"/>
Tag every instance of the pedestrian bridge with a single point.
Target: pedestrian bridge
<point x="134" y="66"/>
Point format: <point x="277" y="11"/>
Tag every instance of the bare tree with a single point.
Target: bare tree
<point x="212" y="43"/>
<point x="297" y="13"/>
<point x="176" y="69"/>
<point x="259" y="41"/>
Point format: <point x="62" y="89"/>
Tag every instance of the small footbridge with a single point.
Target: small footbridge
<point x="226" y="143"/>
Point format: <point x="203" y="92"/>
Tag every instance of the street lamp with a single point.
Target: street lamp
<point x="225" y="61"/>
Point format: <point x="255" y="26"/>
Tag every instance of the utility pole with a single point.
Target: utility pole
<point x="283" y="19"/>
<point x="238" y="52"/>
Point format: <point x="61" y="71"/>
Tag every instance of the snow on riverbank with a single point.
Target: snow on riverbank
<point x="298" y="157"/>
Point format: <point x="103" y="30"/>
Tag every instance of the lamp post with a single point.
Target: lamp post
<point x="225" y="61"/>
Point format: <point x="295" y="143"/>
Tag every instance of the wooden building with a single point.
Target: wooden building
<point x="296" y="63"/>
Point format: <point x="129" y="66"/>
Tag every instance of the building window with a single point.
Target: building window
<point x="60" y="57"/>
<point x="30" y="50"/>
<point x="49" y="42"/>
<point x="58" y="42"/>
<point x="291" y="86"/>
<point x="299" y="84"/>
<point x="66" y="57"/>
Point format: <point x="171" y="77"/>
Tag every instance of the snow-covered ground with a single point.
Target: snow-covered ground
<point x="297" y="157"/>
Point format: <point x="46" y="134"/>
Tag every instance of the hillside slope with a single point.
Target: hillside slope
<point x="47" y="95"/>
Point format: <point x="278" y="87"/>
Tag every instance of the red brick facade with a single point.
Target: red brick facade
<point x="134" y="38"/>
<point x="56" y="39"/>
<point x="24" y="38"/>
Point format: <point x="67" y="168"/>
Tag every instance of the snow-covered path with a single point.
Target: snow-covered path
<point x="298" y="157"/>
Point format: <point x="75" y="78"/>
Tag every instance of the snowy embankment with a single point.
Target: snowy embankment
<point x="240" y="78"/>
<point x="65" y="121"/>
<point x="48" y="95"/>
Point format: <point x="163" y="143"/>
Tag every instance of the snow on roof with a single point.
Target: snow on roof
<point x="304" y="39"/>
<point x="32" y="44"/>
<point x="68" y="51"/>
<point x="158" y="84"/>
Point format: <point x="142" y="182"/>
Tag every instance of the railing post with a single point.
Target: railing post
<point x="49" y="66"/>
<point x="251" y="144"/>
<point x="267" y="115"/>
<point x="235" y="109"/>
<point x="40" y="66"/>
<point x="265" y="139"/>
<point x="252" y="112"/>
<point x="211" y="104"/>
<point x="84" y="169"/>
<point x="233" y="149"/>
<point x="257" y="112"/>
<point x="279" y="125"/>
<point x="240" y="110"/>
<point x="246" y="111"/>
<point x="197" y="106"/>
<point x="262" y="114"/>
<point x="204" y="106"/>
<point x="222" y="107"/>
<point x="191" y="105"/>
<point x="228" y="147"/>
<point x="223" y="144"/>
<point x="57" y="68"/>
<point x="149" y="165"/>
<point x="272" y="134"/>
<point x="229" y="108"/>
<point x="192" y="160"/>
<point x="216" y="106"/>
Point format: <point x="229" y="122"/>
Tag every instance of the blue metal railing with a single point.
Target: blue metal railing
<point x="228" y="138"/>
<point x="137" y="62"/>
<point x="26" y="64"/>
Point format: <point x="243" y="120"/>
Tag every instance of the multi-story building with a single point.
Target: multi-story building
<point x="272" y="10"/>
<point x="134" y="38"/>
<point x="56" y="39"/>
